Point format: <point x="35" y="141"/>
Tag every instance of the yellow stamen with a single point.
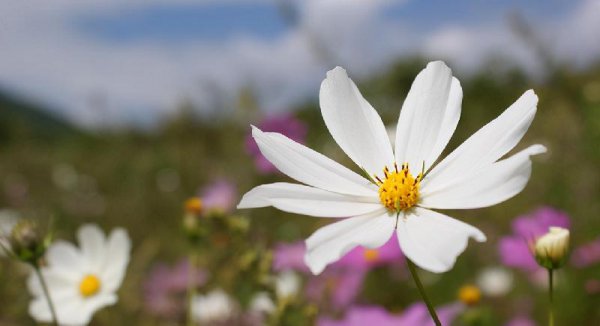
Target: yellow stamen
<point x="371" y="255"/>
<point x="89" y="286"/>
<point x="469" y="295"/>
<point x="399" y="190"/>
<point x="193" y="205"/>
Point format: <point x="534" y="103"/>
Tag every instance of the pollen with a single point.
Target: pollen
<point x="371" y="255"/>
<point x="89" y="286"/>
<point x="399" y="190"/>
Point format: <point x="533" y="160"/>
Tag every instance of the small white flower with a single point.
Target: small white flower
<point x="215" y="306"/>
<point x="495" y="281"/>
<point x="551" y="249"/>
<point x="287" y="284"/>
<point x="8" y="220"/>
<point x="262" y="303"/>
<point x="81" y="280"/>
<point x="404" y="183"/>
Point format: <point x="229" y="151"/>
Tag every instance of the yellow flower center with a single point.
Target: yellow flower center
<point x="399" y="190"/>
<point x="193" y="206"/>
<point x="371" y="255"/>
<point x="89" y="286"/>
<point x="469" y="295"/>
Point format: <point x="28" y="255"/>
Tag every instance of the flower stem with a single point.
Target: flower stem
<point x="551" y="294"/>
<point x="46" y="294"/>
<point x="191" y="288"/>
<point x="413" y="272"/>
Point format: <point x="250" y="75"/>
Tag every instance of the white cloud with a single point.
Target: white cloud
<point x="92" y="81"/>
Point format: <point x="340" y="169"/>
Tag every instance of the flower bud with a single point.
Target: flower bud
<point x="27" y="242"/>
<point x="552" y="248"/>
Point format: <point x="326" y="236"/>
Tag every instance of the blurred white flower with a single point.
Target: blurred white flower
<point x="262" y="303"/>
<point x="495" y="281"/>
<point x="216" y="306"/>
<point x="8" y="220"/>
<point x="81" y="280"/>
<point x="403" y="184"/>
<point x="287" y="284"/>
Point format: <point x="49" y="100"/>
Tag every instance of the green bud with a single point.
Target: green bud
<point x="27" y="242"/>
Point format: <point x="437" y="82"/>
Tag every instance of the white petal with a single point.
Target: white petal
<point x="488" y="144"/>
<point x="115" y="266"/>
<point x="501" y="181"/>
<point x="307" y="200"/>
<point x="429" y="116"/>
<point x="92" y="243"/>
<point x="308" y="166"/>
<point x="331" y="242"/>
<point x="65" y="258"/>
<point x="353" y="123"/>
<point x="433" y="240"/>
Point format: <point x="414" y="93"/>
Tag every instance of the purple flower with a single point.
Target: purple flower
<point x="587" y="254"/>
<point x="515" y="249"/>
<point x="290" y="256"/>
<point x="364" y="258"/>
<point x="414" y="315"/>
<point x="165" y="288"/>
<point x="285" y="124"/>
<point x="219" y="195"/>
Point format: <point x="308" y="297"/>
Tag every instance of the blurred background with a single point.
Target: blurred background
<point x="117" y="112"/>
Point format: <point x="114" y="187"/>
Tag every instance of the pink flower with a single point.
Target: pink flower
<point x="414" y="315"/>
<point x="290" y="256"/>
<point x="285" y="124"/>
<point x="165" y="287"/>
<point x="515" y="249"/>
<point x="219" y="195"/>
<point x="364" y="258"/>
<point x="587" y="254"/>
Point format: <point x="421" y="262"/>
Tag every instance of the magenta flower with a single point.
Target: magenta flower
<point x="415" y="315"/>
<point x="364" y="258"/>
<point x="290" y="256"/>
<point x="515" y="249"/>
<point x="220" y="195"/>
<point x="285" y="124"/>
<point x="165" y="288"/>
<point x="586" y="255"/>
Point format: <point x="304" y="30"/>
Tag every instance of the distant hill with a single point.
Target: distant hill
<point x="20" y="119"/>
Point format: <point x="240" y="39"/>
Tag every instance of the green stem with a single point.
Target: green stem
<point x="191" y="288"/>
<point x="47" y="294"/>
<point x="551" y="293"/>
<point x="413" y="272"/>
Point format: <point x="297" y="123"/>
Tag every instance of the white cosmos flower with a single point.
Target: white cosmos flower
<point x="81" y="280"/>
<point x="405" y="184"/>
<point x="216" y="306"/>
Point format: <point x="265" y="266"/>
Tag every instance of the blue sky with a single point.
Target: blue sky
<point x="221" y="20"/>
<point x="145" y="57"/>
